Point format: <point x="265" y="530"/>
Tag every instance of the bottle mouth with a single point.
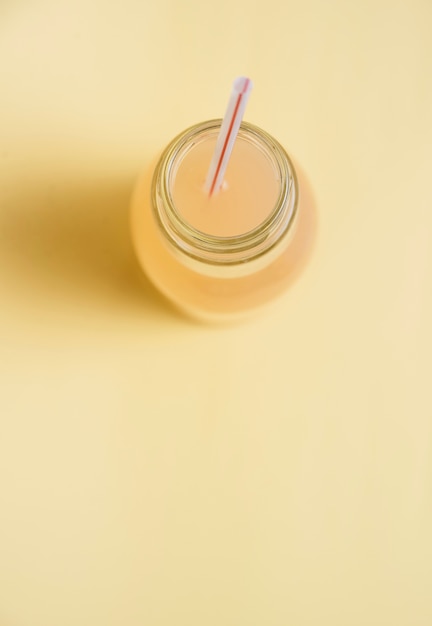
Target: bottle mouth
<point x="215" y="251"/>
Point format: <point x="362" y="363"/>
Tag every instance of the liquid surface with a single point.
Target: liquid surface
<point x="247" y="198"/>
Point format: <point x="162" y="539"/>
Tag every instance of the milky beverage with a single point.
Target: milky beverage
<point x="248" y="196"/>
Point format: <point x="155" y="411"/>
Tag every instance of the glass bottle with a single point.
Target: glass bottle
<point x="224" y="257"/>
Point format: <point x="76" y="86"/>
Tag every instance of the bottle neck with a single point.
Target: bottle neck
<point x="217" y="255"/>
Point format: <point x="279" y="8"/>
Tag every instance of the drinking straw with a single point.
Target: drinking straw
<point x="240" y="93"/>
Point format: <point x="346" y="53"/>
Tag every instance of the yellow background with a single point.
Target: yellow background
<point x="157" y="472"/>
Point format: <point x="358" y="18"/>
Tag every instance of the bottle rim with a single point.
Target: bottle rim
<point x="193" y="245"/>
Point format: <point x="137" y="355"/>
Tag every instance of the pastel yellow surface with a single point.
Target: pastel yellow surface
<point x="155" y="472"/>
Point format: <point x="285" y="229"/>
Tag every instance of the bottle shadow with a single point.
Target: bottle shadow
<point x="70" y="242"/>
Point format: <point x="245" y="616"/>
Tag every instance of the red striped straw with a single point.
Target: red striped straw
<point x="240" y="93"/>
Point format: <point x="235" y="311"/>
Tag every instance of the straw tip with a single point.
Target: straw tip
<point x="242" y="84"/>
